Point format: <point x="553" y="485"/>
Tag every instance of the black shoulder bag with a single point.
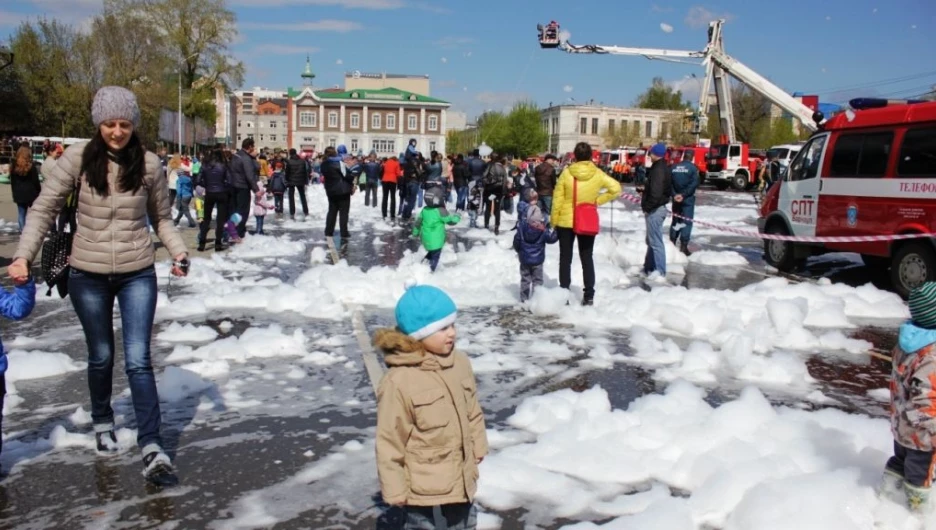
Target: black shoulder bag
<point x="57" y="249"/>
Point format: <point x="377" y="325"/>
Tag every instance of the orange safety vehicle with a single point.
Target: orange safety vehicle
<point x="867" y="172"/>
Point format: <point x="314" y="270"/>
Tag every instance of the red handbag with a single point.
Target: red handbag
<point x="585" y="215"/>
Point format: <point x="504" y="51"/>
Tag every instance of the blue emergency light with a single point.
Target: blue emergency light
<point x="877" y="103"/>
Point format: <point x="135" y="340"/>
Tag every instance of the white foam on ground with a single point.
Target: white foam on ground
<point x="742" y="465"/>
<point x="176" y="332"/>
<point x="38" y="364"/>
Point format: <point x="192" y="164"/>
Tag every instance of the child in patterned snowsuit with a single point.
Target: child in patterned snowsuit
<point x="913" y="404"/>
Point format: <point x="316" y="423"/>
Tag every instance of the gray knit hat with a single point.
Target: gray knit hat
<point x="115" y="103"/>
<point x="923" y="305"/>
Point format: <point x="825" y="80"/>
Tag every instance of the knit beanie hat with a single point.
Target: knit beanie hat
<point x="923" y="305"/>
<point x="115" y="103"/>
<point x="424" y="310"/>
<point x="658" y="150"/>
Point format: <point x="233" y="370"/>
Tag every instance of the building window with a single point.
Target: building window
<point x="272" y="137"/>
<point x="375" y="121"/>
<point x="391" y="146"/>
<point x="355" y="120"/>
<point x="238" y="123"/>
<point x="238" y="137"/>
<point x="374" y="146"/>
<point x="332" y="119"/>
<point x="391" y="121"/>
<point x="555" y="125"/>
<point x="624" y="126"/>
<point x="594" y="125"/>
<point x="432" y="146"/>
<point x="261" y="137"/>
<point x="433" y="123"/>
<point x="664" y="129"/>
<point x="411" y="122"/>
<point x="272" y="124"/>
<point x="307" y="119"/>
<point x="354" y="145"/>
<point x="332" y="142"/>
<point x="611" y="126"/>
<point x="306" y="138"/>
<point x="649" y="130"/>
<point x="583" y="126"/>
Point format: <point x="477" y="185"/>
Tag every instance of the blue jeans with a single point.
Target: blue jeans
<point x="462" y="200"/>
<point x="545" y="204"/>
<point x="462" y="516"/>
<point x="93" y="297"/>
<point x="433" y="257"/>
<point x="419" y="196"/>
<point x="656" y="252"/>
<point x="259" y="219"/>
<point x="22" y="208"/>
<point x="412" y="194"/>
<point x="685" y="227"/>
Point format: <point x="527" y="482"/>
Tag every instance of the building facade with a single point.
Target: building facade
<point x="569" y="124"/>
<point x="365" y="120"/>
<point x="262" y="115"/>
<point x="417" y="84"/>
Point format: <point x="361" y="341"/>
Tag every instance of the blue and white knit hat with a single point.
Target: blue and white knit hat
<point x="923" y="305"/>
<point x="115" y="103"/>
<point x="424" y="310"/>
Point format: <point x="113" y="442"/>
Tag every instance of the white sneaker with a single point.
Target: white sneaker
<point x="656" y="278"/>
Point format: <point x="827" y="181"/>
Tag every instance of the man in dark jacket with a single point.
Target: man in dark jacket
<point x="656" y="196"/>
<point x="476" y="166"/>
<point x="545" y="176"/>
<point x="685" y="181"/>
<point x="339" y="183"/>
<point x="461" y="175"/>
<point x="374" y="172"/>
<point x="297" y="177"/>
<point x="244" y="171"/>
<point x="413" y="172"/>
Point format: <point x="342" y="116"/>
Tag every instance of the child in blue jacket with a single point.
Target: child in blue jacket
<point x="533" y="234"/>
<point x="15" y="306"/>
<point x="185" y="192"/>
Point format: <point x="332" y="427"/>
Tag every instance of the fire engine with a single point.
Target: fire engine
<point x="868" y="172"/>
<point x="729" y="162"/>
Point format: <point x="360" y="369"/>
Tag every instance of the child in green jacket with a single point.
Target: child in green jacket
<point x="431" y="225"/>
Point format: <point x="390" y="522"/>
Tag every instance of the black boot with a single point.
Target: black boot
<point x="684" y="248"/>
<point x="106" y="442"/>
<point x="219" y="247"/>
<point x="588" y="301"/>
<point x="157" y="468"/>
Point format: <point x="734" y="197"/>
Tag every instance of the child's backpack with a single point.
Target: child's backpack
<point x="278" y="183"/>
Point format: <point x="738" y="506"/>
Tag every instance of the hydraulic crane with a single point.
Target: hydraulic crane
<point x="718" y="66"/>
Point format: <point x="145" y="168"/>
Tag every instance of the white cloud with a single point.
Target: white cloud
<point x="339" y="61"/>
<point x="467" y="54"/>
<point x="444" y="60"/>
<point x="347" y="4"/>
<point x="913" y="26"/>
<point x="337" y="26"/>
<point x="689" y="86"/>
<point x="699" y="17"/>
<point x="828" y="17"/>
<point x="874" y="10"/>
<point x="282" y="49"/>
<point x="568" y="88"/>
<point x="666" y="27"/>
<point x="464" y="89"/>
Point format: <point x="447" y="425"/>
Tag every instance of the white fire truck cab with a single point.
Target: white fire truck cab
<point x="867" y="172"/>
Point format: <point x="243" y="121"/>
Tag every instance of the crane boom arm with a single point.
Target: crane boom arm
<point x="649" y="53"/>
<point x="764" y="87"/>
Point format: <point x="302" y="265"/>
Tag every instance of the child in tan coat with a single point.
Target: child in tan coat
<point x="430" y="427"/>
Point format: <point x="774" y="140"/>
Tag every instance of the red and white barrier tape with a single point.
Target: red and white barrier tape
<point x="778" y="237"/>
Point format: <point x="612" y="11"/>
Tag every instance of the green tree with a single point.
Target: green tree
<point x="781" y="132"/>
<point x="661" y="96"/>
<point x="525" y="135"/>
<point x="620" y="137"/>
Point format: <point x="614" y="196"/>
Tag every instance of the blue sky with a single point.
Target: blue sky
<point x="482" y="54"/>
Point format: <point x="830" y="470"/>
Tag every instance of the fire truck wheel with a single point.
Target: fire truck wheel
<point x="913" y="264"/>
<point x="779" y="254"/>
<point x="740" y="181"/>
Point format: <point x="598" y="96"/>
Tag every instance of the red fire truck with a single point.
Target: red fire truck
<point x="867" y="172"/>
<point x="731" y="164"/>
<point x="700" y="156"/>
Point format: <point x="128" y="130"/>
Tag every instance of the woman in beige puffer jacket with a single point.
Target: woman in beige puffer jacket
<point x="118" y="185"/>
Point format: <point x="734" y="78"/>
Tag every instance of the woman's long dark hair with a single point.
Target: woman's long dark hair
<point x="131" y="159"/>
<point x="216" y="157"/>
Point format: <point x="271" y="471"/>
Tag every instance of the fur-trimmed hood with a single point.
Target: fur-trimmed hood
<point x="403" y="350"/>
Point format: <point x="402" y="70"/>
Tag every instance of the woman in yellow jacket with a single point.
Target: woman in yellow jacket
<point x="594" y="186"/>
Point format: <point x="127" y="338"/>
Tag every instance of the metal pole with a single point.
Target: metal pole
<point x="179" y="117"/>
